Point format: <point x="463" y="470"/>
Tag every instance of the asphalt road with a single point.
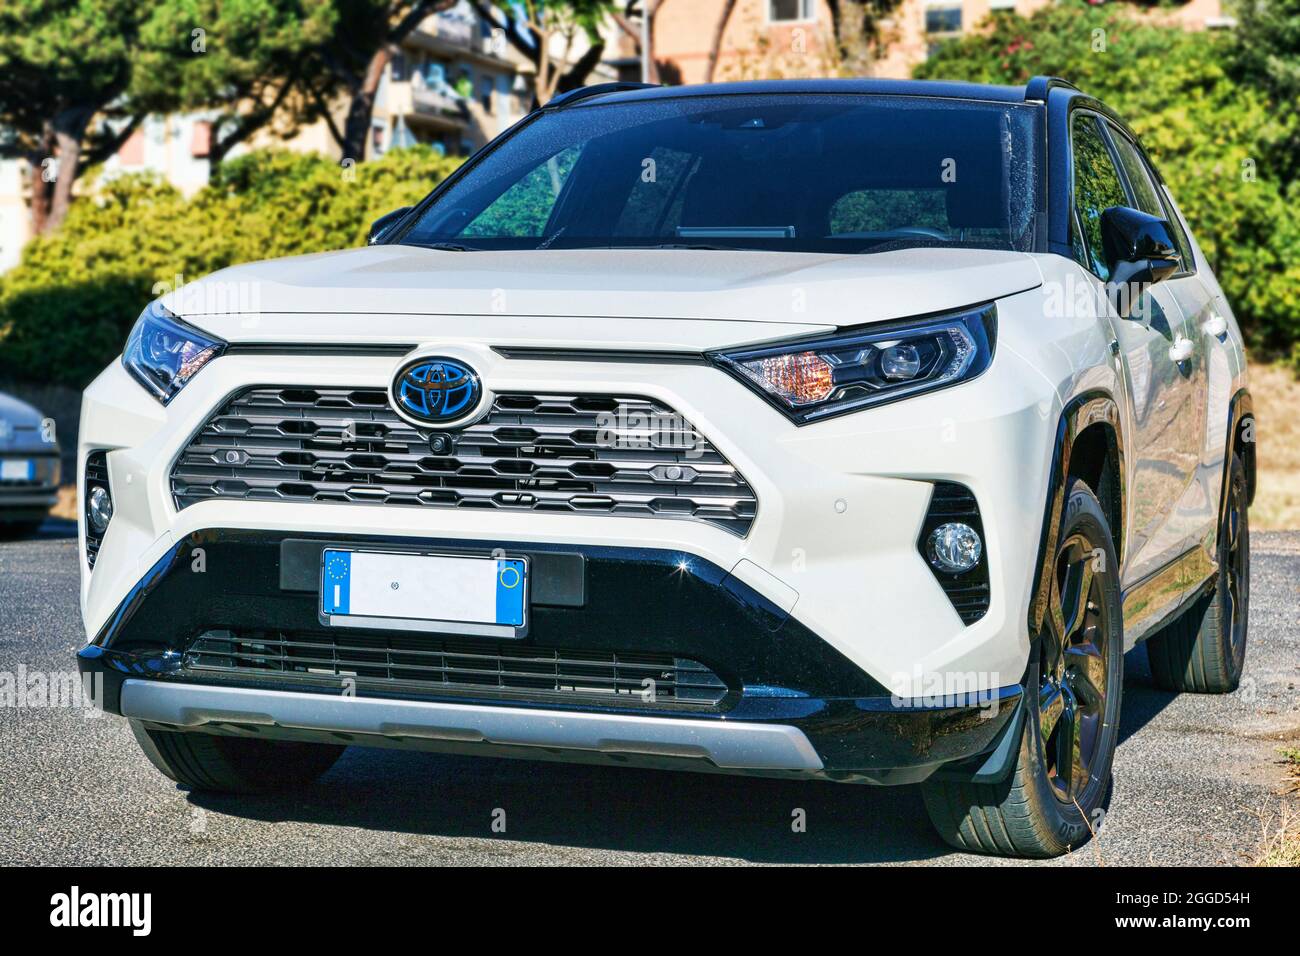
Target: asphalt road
<point x="1196" y="777"/>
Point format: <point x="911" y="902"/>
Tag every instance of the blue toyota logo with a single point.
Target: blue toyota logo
<point x="436" y="390"/>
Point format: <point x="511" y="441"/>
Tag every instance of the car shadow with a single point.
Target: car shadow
<point x="629" y="809"/>
<point x="1143" y="700"/>
<point x="633" y="810"/>
<point x="608" y="808"/>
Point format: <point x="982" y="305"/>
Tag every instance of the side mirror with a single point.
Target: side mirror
<point x="1140" y="252"/>
<point x="385" y="222"/>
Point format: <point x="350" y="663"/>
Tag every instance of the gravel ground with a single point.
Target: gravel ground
<point x="1196" y="777"/>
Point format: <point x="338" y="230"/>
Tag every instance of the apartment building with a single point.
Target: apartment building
<point x="455" y="84"/>
<point x="791" y="38"/>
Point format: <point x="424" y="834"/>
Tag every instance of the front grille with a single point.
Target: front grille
<point x="578" y="454"/>
<point x="418" y="664"/>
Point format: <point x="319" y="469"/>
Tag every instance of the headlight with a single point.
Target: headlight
<point x="164" y="353"/>
<point x="818" y="378"/>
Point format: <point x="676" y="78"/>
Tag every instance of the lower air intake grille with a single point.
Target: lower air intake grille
<point x="417" y="664"/>
<point x="577" y="454"/>
<point x="96" y="474"/>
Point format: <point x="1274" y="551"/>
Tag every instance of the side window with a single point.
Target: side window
<point x="1180" y="236"/>
<point x="1097" y="187"/>
<point x="523" y="210"/>
<point x="1145" y="195"/>
<point x="1148" y="195"/>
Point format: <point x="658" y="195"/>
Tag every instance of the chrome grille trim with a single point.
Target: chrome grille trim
<point x="548" y="453"/>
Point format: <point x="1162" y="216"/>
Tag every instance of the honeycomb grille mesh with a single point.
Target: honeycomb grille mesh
<point x="577" y="454"/>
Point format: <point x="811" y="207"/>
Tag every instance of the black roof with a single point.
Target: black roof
<point x="1035" y="90"/>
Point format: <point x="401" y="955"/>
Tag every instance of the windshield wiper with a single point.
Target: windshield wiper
<point x="685" y="245"/>
<point x="446" y="246"/>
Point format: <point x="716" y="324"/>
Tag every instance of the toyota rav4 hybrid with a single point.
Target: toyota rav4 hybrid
<point x="843" y="430"/>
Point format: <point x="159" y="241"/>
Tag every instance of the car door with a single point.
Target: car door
<point x="1161" y="392"/>
<point x="1205" y="370"/>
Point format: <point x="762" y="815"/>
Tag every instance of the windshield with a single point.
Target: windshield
<point x="795" y="173"/>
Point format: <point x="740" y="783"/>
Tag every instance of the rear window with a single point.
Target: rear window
<point x="811" y="173"/>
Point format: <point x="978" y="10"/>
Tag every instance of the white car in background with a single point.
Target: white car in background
<point x="29" y="468"/>
<point x="839" y="430"/>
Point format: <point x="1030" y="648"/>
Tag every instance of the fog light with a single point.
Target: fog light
<point x="953" y="547"/>
<point x="99" y="509"/>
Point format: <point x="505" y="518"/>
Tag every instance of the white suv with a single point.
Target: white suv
<point x="847" y="430"/>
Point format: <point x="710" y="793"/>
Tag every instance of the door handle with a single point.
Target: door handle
<point x="1216" y="325"/>
<point x="1181" y="350"/>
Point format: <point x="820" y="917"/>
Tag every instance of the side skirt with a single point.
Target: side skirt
<point x="1161" y="596"/>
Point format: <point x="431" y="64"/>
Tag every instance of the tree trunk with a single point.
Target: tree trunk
<point x="546" y="70"/>
<point x="361" y="108"/>
<point x="648" y="54"/>
<point x="69" y="131"/>
<point x="40" y="188"/>
<point x="719" y="30"/>
<point x="578" y="74"/>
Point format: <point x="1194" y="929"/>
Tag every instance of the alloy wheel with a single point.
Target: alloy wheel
<point x="1073" y="670"/>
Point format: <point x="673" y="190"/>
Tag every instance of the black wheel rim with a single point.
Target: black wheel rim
<point x="1073" y="670"/>
<point x="1236" y="571"/>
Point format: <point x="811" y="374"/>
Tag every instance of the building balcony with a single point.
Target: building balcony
<point x="433" y="102"/>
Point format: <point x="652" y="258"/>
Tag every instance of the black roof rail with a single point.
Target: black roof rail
<point x="1039" y="86"/>
<point x="597" y="89"/>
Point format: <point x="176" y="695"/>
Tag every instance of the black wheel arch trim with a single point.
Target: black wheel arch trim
<point x="1081" y="412"/>
<point x="1240" y="410"/>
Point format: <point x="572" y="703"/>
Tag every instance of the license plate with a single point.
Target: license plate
<point x="436" y="593"/>
<point x="19" y="469"/>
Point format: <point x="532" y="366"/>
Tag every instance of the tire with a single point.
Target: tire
<point x="208" y="762"/>
<point x="1029" y="814"/>
<point x="1204" y="651"/>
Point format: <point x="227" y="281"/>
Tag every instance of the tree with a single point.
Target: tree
<point x="78" y="77"/>
<point x="351" y="63"/>
<point x="715" y="46"/>
<point x="1267" y="54"/>
<point x="241" y="56"/>
<point x="62" y="62"/>
<point x="531" y="26"/>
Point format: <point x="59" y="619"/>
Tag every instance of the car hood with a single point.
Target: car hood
<point x="403" y="288"/>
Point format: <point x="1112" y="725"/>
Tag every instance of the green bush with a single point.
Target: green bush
<point x="65" y="310"/>
<point x="1208" y="134"/>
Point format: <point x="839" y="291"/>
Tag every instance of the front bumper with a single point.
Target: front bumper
<point x="793" y="705"/>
